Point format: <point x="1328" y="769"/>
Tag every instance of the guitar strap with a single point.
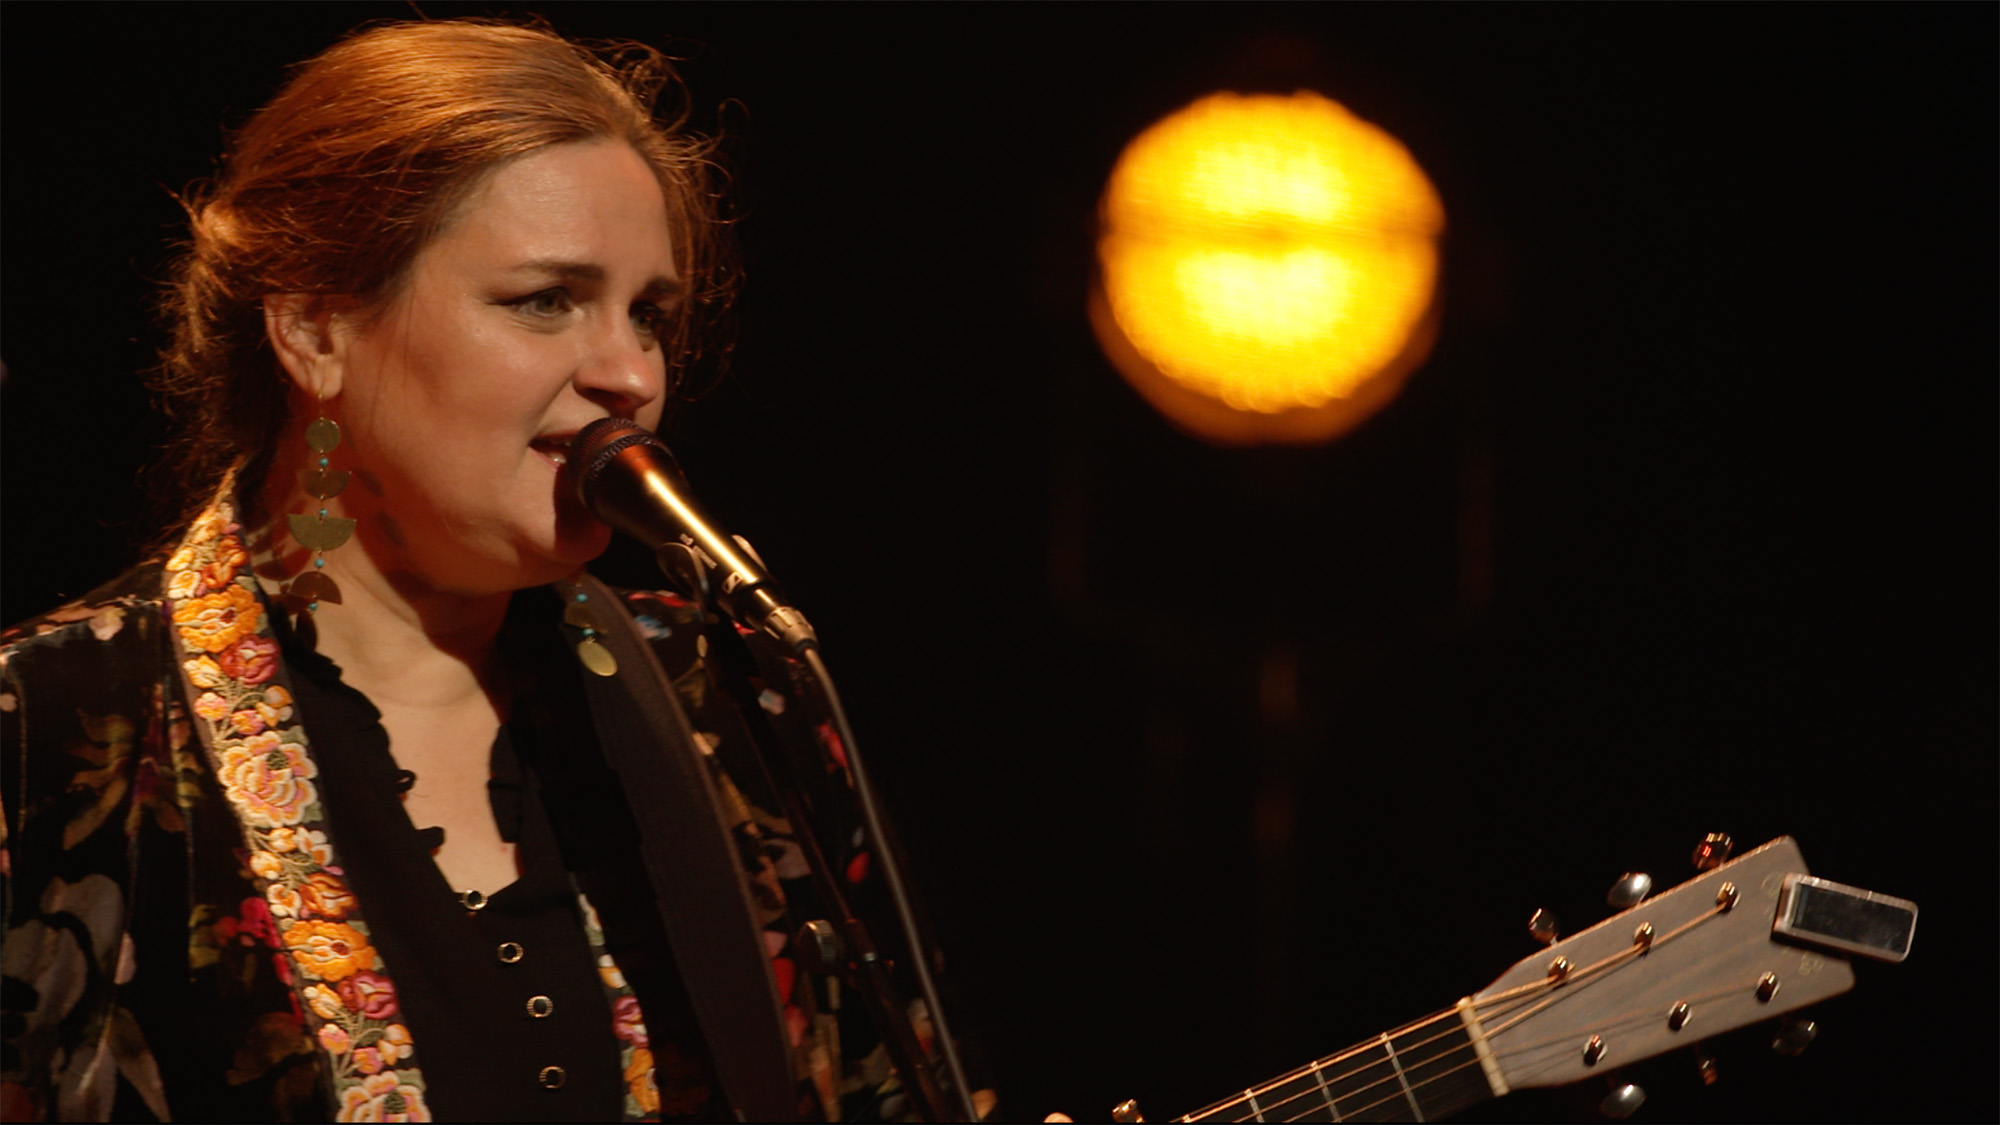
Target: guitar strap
<point x="693" y="867"/>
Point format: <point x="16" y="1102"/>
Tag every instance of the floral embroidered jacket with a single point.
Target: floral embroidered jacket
<point x="180" y="938"/>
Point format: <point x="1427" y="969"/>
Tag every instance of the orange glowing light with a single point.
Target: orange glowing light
<point x="1267" y="267"/>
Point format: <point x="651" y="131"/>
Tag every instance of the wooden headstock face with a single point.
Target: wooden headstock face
<point x="1685" y="965"/>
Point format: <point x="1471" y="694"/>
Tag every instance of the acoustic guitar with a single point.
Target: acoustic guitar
<point x="1748" y="940"/>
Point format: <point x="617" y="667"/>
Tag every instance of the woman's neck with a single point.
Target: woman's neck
<point x="398" y="638"/>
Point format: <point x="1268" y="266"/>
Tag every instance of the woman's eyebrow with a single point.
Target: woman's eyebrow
<point x="656" y="287"/>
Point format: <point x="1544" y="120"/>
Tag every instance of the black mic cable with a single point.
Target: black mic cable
<point x="626" y="477"/>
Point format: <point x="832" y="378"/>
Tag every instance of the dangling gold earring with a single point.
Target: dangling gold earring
<point x="319" y="533"/>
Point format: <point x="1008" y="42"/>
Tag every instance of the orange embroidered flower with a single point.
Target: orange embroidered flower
<point x="229" y="557"/>
<point x="266" y="865"/>
<point x="215" y="621"/>
<point x="394" y="1044"/>
<point x="203" y="673"/>
<point x="184" y="584"/>
<point x="268" y="779"/>
<point x="382" y="1097"/>
<point x="211" y="706"/>
<point x="325" y="1001"/>
<point x="639" y="1081"/>
<point x="329" y="950"/>
<point x="326" y="896"/>
<point x="284" y="900"/>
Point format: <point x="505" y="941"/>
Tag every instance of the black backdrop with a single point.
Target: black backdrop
<point x="1214" y="761"/>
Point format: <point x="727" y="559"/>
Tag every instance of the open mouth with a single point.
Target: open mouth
<point x="555" y="449"/>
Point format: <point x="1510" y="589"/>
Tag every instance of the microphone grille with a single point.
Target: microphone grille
<point x="598" y="444"/>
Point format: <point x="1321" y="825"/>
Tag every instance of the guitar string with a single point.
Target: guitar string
<point x="1694" y="1002"/>
<point x="1312" y="1069"/>
<point x="1576" y="977"/>
<point x="1511" y="1000"/>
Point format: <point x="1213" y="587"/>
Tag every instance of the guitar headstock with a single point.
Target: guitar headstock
<point x="1677" y="968"/>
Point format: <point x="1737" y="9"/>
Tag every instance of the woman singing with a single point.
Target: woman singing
<point x="330" y="809"/>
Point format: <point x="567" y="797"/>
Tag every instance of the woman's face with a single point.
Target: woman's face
<point x="538" y="309"/>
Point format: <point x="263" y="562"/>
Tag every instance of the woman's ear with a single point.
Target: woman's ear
<point x="302" y="330"/>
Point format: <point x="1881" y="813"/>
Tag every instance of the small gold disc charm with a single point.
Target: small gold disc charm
<point x="324" y="484"/>
<point x="319" y="533"/>
<point x="314" y="586"/>
<point x="322" y="435"/>
<point x="596" y="657"/>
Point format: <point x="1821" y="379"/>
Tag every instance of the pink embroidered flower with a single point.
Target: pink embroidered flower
<point x="830" y="739"/>
<point x="326" y="896"/>
<point x="268" y="779"/>
<point x="252" y="659"/>
<point x="325" y="1002"/>
<point x="367" y="1060"/>
<point x="627" y="1021"/>
<point x="369" y="993"/>
<point x="332" y="1038"/>
<point x="394" y="1044"/>
<point x="211" y="706"/>
<point x="215" y="621"/>
<point x="247" y="721"/>
<point x="382" y="1097"/>
<point x="256" y="924"/>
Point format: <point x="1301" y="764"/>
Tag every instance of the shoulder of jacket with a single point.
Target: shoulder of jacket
<point x="135" y="596"/>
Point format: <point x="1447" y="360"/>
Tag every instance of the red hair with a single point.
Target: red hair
<point x="334" y="187"/>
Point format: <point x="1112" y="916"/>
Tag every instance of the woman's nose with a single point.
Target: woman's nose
<point x="624" y="372"/>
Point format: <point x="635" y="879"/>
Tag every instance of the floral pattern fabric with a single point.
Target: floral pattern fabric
<point x="181" y="940"/>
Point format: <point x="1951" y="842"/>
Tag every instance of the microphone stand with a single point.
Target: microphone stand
<point x="945" y="1097"/>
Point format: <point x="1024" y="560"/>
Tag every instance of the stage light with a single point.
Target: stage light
<point x="1267" y="267"/>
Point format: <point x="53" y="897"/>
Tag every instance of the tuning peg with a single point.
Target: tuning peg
<point x="1630" y="890"/>
<point x="1127" y="1110"/>
<point x="1704" y="1065"/>
<point x="1622" y="1102"/>
<point x="1794" y="1037"/>
<point x="1542" y="926"/>
<point x="1713" y="851"/>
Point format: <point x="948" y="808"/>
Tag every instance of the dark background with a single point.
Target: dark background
<point x="1210" y="761"/>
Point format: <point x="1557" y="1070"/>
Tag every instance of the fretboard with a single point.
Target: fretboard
<point x="1420" y="1072"/>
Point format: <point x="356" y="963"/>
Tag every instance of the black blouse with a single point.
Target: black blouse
<point x="504" y="1001"/>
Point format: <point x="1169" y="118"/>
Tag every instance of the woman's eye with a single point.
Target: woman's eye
<point x="651" y="318"/>
<point x="548" y="302"/>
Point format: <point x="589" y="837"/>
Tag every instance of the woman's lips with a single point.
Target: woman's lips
<point x="554" y="450"/>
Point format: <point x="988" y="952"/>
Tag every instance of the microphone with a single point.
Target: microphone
<point x="625" y="477"/>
